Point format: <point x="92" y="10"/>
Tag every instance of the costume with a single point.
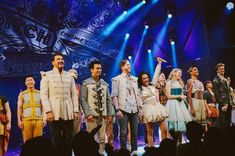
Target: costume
<point x="178" y="112"/>
<point x="223" y="97"/>
<point x="4" y="134"/>
<point x="96" y="101"/>
<point x="125" y="88"/>
<point x="211" y="102"/>
<point x="59" y="96"/>
<point x="31" y="114"/>
<point x="153" y="111"/>
<point x="161" y="86"/>
<point x="195" y="93"/>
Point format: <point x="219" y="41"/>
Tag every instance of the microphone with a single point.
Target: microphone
<point x="156" y="58"/>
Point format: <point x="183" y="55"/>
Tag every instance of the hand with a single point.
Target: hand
<point x="183" y="96"/>
<point x="224" y="108"/>
<point x="211" y="104"/>
<point x="193" y="111"/>
<point x="209" y="112"/>
<point x="119" y="114"/>
<point x="8" y="126"/>
<point x="140" y="113"/>
<point x="75" y="115"/>
<point x="159" y="59"/>
<point x="20" y="124"/>
<point x="109" y="118"/>
<point x="44" y="122"/>
<point x="90" y="118"/>
<point x="50" y="116"/>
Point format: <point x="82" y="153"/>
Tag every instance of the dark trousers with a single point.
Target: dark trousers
<point x="61" y="136"/>
<point x="224" y="119"/>
<point x="123" y="123"/>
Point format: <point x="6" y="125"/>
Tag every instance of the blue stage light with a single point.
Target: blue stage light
<point x="146" y="27"/>
<point x="127" y="36"/>
<point x="129" y="57"/>
<point x="172" y="42"/>
<point x="169" y="15"/>
<point x="230" y="5"/>
<point x="149" y="50"/>
<point x="143" y="1"/>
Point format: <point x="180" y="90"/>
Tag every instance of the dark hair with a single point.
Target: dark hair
<point x="205" y="83"/>
<point x="191" y="68"/>
<point x="123" y="62"/>
<point x="219" y="65"/>
<point x="140" y="79"/>
<point x="92" y="64"/>
<point x="56" y="54"/>
<point x="29" y="75"/>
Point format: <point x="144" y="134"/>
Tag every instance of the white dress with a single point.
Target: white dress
<point x="153" y="111"/>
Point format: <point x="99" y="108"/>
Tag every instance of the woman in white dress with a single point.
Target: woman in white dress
<point x="153" y="111"/>
<point x="178" y="112"/>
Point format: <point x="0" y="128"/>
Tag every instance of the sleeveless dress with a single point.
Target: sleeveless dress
<point x="178" y="112"/>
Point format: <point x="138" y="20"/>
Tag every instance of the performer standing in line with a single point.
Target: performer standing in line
<point x="127" y="102"/>
<point x="178" y="113"/>
<point x="31" y="118"/>
<point x="195" y="91"/>
<point x="60" y="101"/>
<point x="5" y="125"/>
<point x="96" y="102"/>
<point x="161" y="86"/>
<point x="153" y="111"/>
<point x="210" y="103"/>
<point x="223" y="97"/>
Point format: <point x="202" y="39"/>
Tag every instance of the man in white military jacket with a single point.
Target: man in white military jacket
<point x="60" y="101"/>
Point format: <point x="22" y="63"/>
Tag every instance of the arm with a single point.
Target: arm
<point x="189" y="93"/>
<point x="20" y="111"/>
<point x="44" y="93"/>
<point x="83" y="100"/>
<point x="156" y="73"/>
<point x="8" y="114"/>
<point x="114" y="94"/>
<point x="109" y="104"/>
<point x="74" y="95"/>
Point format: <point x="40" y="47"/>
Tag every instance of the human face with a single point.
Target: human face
<point x="127" y="67"/>
<point x="195" y="71"/>
<point x="29" y="82"/>
<point x="162" y="77"/>
<point x="178" y="74"/>
<point x="209" y="85"/>
<point x="58" y="62"/>
<point x="145" y="80"/>
<point x="96" y="71"/>
<point x="221" y="70"/>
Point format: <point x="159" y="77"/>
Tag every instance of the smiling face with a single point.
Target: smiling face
<point x="145" y="80"/>
<point x="58" y="62"/>
<point x="96" y="71"/>
<point x="162" y="77"/>
<point x="194" y="71"/>
<point x="177" y="74"/>
<point x="30" y="82"/>
<point x="126" y="67"/>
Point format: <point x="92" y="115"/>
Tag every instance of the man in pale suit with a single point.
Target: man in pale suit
<point x="60" y="101"/>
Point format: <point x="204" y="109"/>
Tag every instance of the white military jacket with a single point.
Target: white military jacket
<point x="58" y="94"/>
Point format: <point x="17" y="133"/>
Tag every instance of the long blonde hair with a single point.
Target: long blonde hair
<point x="172" y="74"/>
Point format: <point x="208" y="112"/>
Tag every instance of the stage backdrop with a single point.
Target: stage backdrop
<point x="32" y="30"/>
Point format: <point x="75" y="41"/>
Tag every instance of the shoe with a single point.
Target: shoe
<point x="134" y="153"/>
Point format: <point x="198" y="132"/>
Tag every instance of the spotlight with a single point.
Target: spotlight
<point x="143" y="1"/>
<point x="146" y="26"/>
<point x="129" y="57"/>
<point x="127" y="35"/>
<point x="124" y="12"/>
<point x="169" y="15"/>
<point x="230" y="5"/>
<point x="149" y="50"/>
<point x="172" y="42"/>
